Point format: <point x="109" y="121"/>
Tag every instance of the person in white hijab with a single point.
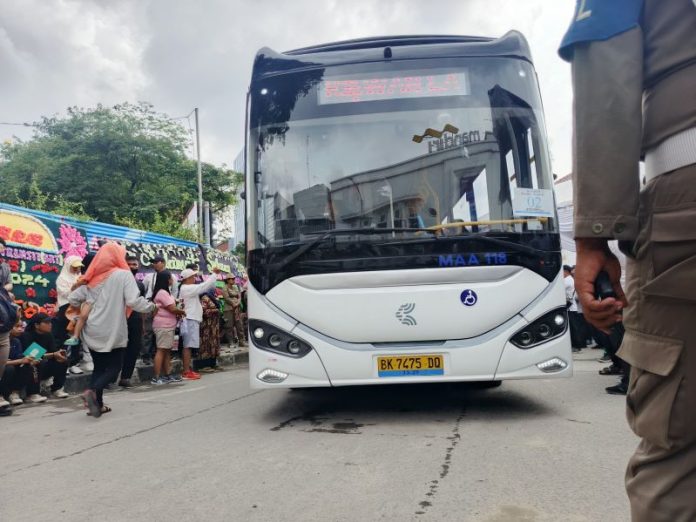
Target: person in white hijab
<point x="67" y="278"/>
<point x="66" y="283"/>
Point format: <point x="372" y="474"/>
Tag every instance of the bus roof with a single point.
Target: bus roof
<point x="269" y="62"/>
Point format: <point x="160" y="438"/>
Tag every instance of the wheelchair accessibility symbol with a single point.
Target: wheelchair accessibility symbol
<point x="469" y="298"/>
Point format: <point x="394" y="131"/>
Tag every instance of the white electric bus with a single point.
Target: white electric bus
<point x="401" y="224"/>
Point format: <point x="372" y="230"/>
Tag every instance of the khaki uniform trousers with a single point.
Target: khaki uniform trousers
<point x="660" y="345"/>
<point x="234" y="327"/>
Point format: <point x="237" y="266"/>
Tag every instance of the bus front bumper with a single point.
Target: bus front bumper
<point x="332" y="363"/>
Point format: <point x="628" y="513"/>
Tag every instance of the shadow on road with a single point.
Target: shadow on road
<point x="339" y="407"/>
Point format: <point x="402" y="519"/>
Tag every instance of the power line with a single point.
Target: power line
<point x="19" y="124"/>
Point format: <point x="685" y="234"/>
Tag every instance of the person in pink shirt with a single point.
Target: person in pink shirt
<point x="164" y="326"/>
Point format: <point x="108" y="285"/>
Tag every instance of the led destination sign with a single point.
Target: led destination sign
<point x="352" y="90"/>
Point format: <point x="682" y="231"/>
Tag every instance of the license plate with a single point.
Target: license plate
<point x="410" y="365"/>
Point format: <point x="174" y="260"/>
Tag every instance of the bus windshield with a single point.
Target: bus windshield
<point x="452" y="145"/>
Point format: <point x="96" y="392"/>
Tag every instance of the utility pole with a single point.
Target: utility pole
<point x="200" y="179"/>
<point x="206" y="222"/>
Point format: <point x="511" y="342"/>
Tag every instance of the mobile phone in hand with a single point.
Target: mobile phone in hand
<point x="603" y="286"/>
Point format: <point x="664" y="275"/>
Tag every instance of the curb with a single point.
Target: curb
<point x="78" y="383"/>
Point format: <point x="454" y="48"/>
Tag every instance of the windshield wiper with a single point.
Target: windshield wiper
<point x="341" y="232"/>
<point x="511" y="245"/>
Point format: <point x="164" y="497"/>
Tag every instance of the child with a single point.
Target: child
<point x="79" y="324"/>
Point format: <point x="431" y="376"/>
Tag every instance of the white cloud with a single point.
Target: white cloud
<point x="181" y="54"/>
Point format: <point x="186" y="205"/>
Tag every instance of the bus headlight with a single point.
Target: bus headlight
<point x="273" y="339"/>
<point x="549" y="326"/>
<point x="294" y="347"/>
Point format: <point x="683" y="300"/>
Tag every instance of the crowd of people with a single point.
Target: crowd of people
<point x="584" y="335"/>
<point x="107" y="317"/>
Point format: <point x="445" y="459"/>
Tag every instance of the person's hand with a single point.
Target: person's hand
<point x="27" y="360"/>
<point x="593" y="256"/>
<point x="60" y="356"/>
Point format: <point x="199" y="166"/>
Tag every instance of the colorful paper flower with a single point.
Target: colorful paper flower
<point x="31" y="293"/>
<point x="71" y="242"/>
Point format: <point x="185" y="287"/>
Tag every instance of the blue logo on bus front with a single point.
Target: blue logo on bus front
<point x="485" y="259"/>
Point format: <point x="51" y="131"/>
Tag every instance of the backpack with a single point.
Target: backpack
<point x="8" y="312"/>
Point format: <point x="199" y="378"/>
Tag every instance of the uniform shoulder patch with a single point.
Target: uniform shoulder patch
<point x="600" y="20"/>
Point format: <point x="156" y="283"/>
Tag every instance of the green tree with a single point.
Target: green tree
<point x="240" y="251"/>
<point x="125" y="164"/>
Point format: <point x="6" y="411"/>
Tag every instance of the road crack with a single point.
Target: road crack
<point x="445" y="467"/>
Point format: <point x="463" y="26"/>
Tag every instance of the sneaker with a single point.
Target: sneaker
<point x="4" y="403"/>
<point x="36" y="398"/>
<point x="60" y="394"/>
<point x="15" y="399"/>
<point x="604" y="359"/>
<point x="5" y="411"/>
<point x="157" y="381"/>
<point x="75" y="370"/>
<point x="146" y="360"/>
<point x="125" y="383"/>
<point x="174" y="377"/>
<point x="88" y="366"/>
<point x="190" y="376"/>
<point x="73" y="341"/>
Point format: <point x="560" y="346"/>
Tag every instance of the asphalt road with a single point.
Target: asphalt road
<point x="214" y="449"/>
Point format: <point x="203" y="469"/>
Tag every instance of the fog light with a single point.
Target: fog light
<point x="294" y="347"/>
<point x="259" y="333"/>
<point x="271" y="376"/>
<point x="559" y="320"/>
<point x="274" y="340"/>
<point x="552" y="365"/>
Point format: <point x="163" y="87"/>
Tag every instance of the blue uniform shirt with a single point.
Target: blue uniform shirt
<point x="600" y="20"/>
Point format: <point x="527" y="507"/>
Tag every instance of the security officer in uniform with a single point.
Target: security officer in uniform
<point x="634" y="77"/>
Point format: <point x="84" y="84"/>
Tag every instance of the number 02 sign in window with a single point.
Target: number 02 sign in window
<point x="532" y="202"/>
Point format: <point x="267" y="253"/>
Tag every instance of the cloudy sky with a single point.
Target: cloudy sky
<point x="180" y="54"/>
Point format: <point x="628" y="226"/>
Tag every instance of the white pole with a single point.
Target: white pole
<point x="391" y="209"/>
<point x="200" y="179"/>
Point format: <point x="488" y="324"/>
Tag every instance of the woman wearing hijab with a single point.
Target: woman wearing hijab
<point x="67" y="282"/>
<point x="111" y="291"/>
<point x="209" y="346"/>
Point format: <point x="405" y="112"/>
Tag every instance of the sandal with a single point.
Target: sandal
<point x="611" y="370"/>
<point x="104" y="409"/>
<point x="90" y="400"/>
